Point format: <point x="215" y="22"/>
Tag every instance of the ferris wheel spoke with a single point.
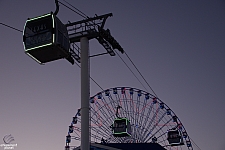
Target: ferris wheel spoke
<point x="156" y="131"/>
<point x="113" y="103"/>
<point x="104" y="113"/>
<point x="145" y="135"/>
<point x="148" y="124"/>
<point x="141" y="124"/>
<point x="119" y="140"/>
<point x="138" y="133"/>
<point x="105" y="106"/>
<point x="131" y="116"/>
<point x="147" y="116"/>
<point x="152" y="129"/>
<point x="137" y="112"/>
<point x="162" y="142"/>
<point x="124" y="108"/>
<point x="103" y="117"/>
<point x="117" y="99"/>
<point x="161" y="136"/>
<point x="142" y="112"/>
<point x="109" y="107"/>
<point x="79" y="130"/>
<point x="98" y="121"/>
<point x="100" y="132"/>
<point x="124" y="99"/>
<point x="138" y="125"/>
<point x="104" y="127"/>
<point x="95" y="136"/>
<point x="131" y="105"/>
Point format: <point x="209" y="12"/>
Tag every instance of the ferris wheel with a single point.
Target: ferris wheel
<point x="130" y="115"/>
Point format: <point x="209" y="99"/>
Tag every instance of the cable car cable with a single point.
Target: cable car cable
<point x="85" y="16"/>
<point x="116" y="52"/>
<point x="76" y="9"/>
<point x="11" y="27"/>
<point x="140" y="73"/>
<point x="91" y="78"/>
<point x="71" y="9"/>
<point x="194" y="143"/>
<point x="131" y="71"/>
<point x="57" y="9"/>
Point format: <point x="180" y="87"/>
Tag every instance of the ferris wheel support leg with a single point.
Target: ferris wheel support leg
<point x="85" y="93"/>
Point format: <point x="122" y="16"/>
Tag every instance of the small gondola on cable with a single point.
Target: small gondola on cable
<point x="46" y="39"/>
<point x="174" y="136"/>
<point x="121" y="127"/>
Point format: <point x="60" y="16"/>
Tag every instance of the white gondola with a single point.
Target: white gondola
<point x="121" y="127"/>
<point x="175" y="138"/>
<point x="45" y="38"/>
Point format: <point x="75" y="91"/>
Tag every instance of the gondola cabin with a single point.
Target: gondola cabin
<point x="175" y="138"/>
<point x="45" y="38"/>
<point x="121" y="127"/>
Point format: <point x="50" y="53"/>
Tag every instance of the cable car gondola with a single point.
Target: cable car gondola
<point x="175" y="138"/>
<point x="46" y="39"/>
<point x="121" y="127"/>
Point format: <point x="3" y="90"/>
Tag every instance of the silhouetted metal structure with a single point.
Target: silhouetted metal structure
<point x="47" y="39"/>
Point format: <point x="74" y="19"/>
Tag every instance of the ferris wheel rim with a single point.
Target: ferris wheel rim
<point x="99" y="94"/>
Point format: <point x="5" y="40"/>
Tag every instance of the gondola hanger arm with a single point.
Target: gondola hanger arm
<point x="57" y="7"/>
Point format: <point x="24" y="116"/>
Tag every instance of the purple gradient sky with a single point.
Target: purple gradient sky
<point x="179" y="46"/>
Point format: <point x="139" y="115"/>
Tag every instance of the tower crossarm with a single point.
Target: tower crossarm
<point x="92" y="28"/>
<point x="86" y="28"/>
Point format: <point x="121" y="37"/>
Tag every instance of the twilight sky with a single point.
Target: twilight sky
<point x="178" y="46"/>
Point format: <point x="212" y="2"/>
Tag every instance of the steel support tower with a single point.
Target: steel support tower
<point x="83" y="31"/>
